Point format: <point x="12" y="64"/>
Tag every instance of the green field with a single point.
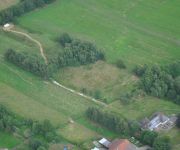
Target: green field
<point x="124" y="29"/>
<point x="8" y="141"/>
<point x="136" y="31"/>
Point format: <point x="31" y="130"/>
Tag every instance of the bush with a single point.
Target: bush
<point x="97" y="94"/>
<point x="120" y="64"/>
<point x="139" y="70"/>
<point x="64" y="39"/>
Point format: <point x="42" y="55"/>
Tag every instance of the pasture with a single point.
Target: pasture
<point x="124" y="29"/>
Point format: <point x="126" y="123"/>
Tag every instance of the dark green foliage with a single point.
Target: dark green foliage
<point x="31" y="63"/>
<point x="126" y="98"/>
<point x="77" y="52"/>
<point x="108" y="120"/>
<point x="120" y="64"/>
<point x="162" y="143"/>
<point x="148" y="137"/>
<point x="19" y="9"/>
<point x="178" y="121"/>
<point x="36" y="144"/>
<point x="8" y="120"/>
<point x="64" y="39"/>
<point x="139" y="70"/>
<point x="45" y="129"/>
<point x="97" y="94"/>
<point x="162" y="83"/>
<point x="42" y="133"/>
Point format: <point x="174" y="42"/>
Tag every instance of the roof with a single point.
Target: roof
<point x="105" y="142"/>
<point x="95" y="148"/>
<point x="122" y="144"/>
<point x="157" y="120"/>
<point x="6" y="25"/>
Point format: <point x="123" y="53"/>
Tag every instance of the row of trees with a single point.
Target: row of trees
<point x="123" y="126"/>
<point x="39" y="133"/>
<point x="22" y="7"/>
<point x="29" y="62"/>
<point x="162" y="82"/>
<point x="77" y="52"/>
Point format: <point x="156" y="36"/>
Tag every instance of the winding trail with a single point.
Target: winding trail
<point x="32" y="39"/>
<point x="46" y="61"/>
<point x="78" y="93"/>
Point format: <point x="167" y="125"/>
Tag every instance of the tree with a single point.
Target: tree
<point x="34" y="144"/>
<point x="148" y="137"/>
<point x="120" y="64"/>
<point x="162" y="143"/>
<point x="64" y="39"/>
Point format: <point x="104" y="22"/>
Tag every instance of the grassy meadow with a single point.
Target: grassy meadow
<point x="136" y="31"/>
<point x="123" y="29"/>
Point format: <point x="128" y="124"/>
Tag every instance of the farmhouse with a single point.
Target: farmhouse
<point x="122" y="144"/>
<point x="158" y="122"/>
<point x="118" y="144"/>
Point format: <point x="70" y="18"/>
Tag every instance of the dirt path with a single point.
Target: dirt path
<point x="78" y="93"/>
<point x="32" y="39"/>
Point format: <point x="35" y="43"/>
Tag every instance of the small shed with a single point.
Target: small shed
<point x="105" y="142"/>
<point x="7" y="25"/>
<point x="95" y="148"/>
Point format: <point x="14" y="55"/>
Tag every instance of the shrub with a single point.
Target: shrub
<point x="120" y="64"/>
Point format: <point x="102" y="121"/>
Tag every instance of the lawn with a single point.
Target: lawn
<point x="6" y="3"/>
<point x="124" y="29"/>
<point x="8" y="140"/>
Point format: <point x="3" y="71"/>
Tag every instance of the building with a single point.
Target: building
<point x="105" y="142"/>
<point x="7" y="25"/>
<point x="157" y="122"/>
<point x="122" y="144"/>
<point x="95" y="148"/>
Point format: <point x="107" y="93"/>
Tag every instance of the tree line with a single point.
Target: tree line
<point x="76" y="52"/>
<point x="39" y="134"/>
<point x="161" y="82"/>
<point x="19" y="9"/>
<point x="32" y="63"/>
<point x="126" y="127"/>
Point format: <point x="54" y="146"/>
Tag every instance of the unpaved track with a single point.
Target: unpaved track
<point x="78" y="93"/>
<point x="33" y="40"/>
<point x="53" y="81"/>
